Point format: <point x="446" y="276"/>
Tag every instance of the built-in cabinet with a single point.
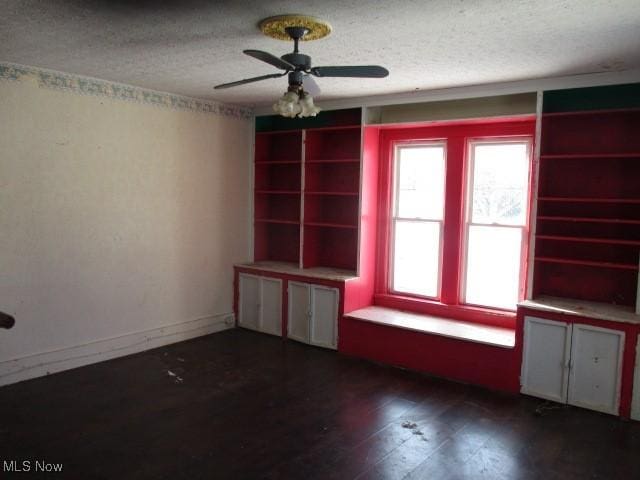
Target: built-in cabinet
<point x="545" y="361"/>
<point x="586" y="251"/>
<point x="595" y="368"/>
<point x="313" y="314"/>
<point x="281" y="302"/>
<point x="314" y="183"/>
<point x="573" y="363"/>
<point x="260" y="303"/>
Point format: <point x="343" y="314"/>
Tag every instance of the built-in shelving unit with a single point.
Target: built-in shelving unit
<point x="278" y="167"/>
<point x="307" y="194"/>
<point x="331" y="200"/>
<point x="588" y="216"/>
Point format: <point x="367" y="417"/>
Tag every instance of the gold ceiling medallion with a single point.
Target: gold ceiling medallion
<point x="274" y="27"/>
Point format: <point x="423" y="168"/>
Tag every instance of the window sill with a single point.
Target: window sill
<point x="470" y="332"/>
<point x="465" y="313"/>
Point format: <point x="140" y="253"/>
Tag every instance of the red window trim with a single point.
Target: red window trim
<point x="456" y="136"/>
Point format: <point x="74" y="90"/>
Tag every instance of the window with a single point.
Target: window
<point x="497" y="201"/>
<point x="456" y="225"/>
<point x="418" y="213"/>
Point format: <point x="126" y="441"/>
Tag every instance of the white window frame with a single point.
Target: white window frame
<point x="468" y="207"/>
<point x="395" y="218"/>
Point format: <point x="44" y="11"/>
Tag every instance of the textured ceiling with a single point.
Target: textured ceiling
<point x="187" y="46"/>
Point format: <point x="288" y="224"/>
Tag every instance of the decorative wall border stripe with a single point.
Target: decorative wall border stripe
<point x="96" y="87"/>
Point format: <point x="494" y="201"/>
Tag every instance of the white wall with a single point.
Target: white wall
<point x="116" y="219"/>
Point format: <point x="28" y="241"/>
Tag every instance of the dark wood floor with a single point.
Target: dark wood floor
<point x="245" y="405"/>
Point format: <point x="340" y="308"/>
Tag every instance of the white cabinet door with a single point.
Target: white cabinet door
<point x="249" y="301"/>
<point x="271" y="306"/>
<point x="596" y="366"/>
<point x="324" y="315"/>
<point x="313" y="314"/>
<point x="545" y="362"/>
<point x="260" y="303"/>
<point x="299" y="311"/>
<point x="635" y="401"/>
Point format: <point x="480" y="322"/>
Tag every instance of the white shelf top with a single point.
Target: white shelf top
<point x="293" y="269"/>
<point x="472" y="332"/>
<point x="581" y="308"/>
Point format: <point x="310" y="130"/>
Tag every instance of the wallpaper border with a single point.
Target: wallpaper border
<point x="92" y="86"/>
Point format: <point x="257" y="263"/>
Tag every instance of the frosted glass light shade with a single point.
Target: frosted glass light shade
<point x="288" y="105"/>
<point x="293" y="104"/>
<point x="307" y="106"/>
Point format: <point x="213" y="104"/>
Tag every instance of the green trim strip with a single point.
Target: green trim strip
<point x="327" y="118"/>
<point x="592" y="98"/>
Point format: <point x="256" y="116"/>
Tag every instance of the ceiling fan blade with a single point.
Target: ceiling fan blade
<point x="249" y="80"/>
<point x="360" y="71"/>
<point x="270" y="59"/>
<point x="311" y="86"/>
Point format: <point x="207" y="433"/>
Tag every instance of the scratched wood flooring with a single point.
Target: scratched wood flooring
<point x="242" y="405"/>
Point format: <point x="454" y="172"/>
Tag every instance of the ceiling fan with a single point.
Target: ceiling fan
<point x="296" y="101"/>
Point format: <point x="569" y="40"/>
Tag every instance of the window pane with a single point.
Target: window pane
<point x="416" y="260"/>
<point x="500" y="180"/>
<point x="493" y="266"/>
<point x="420" y="173"/>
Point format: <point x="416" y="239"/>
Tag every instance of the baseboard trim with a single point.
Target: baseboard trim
<point x="32" y="366"/>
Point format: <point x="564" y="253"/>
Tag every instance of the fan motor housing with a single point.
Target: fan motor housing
<point x="295" y="78"/>
<point x="300" y="60"/>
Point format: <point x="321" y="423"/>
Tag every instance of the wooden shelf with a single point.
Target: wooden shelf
<point x="587" y="263"/>
<point x="279" y="162"/>
<point x="601" y="311"/>
<point x="277" y="241"/>
<point x="330" y="247"/>
<point x="275" y="220"/>
<point x="292" y="268"/>
<point x="279" y="192"/>
<point x="347" y="194"/>
<point x="607" y="241"/>
<point x="588" y="219"/>
<point x="334" y="161"/>
<point x="569" y="156"/>
<point x="589" y="200"/>
<point x="329" y="225"/>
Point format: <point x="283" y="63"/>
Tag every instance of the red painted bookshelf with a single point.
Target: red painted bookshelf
<point x="331" y="200"/>
<point x="307" y="194"/>
<point x="331" y="209"/>
<point x="277" y="203"/>
<point x="588" y="218"/>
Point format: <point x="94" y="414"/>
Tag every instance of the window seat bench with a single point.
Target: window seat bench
<point x="466" y="331"/>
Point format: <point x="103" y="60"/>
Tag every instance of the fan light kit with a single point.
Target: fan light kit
<point x="296" y="102"/>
